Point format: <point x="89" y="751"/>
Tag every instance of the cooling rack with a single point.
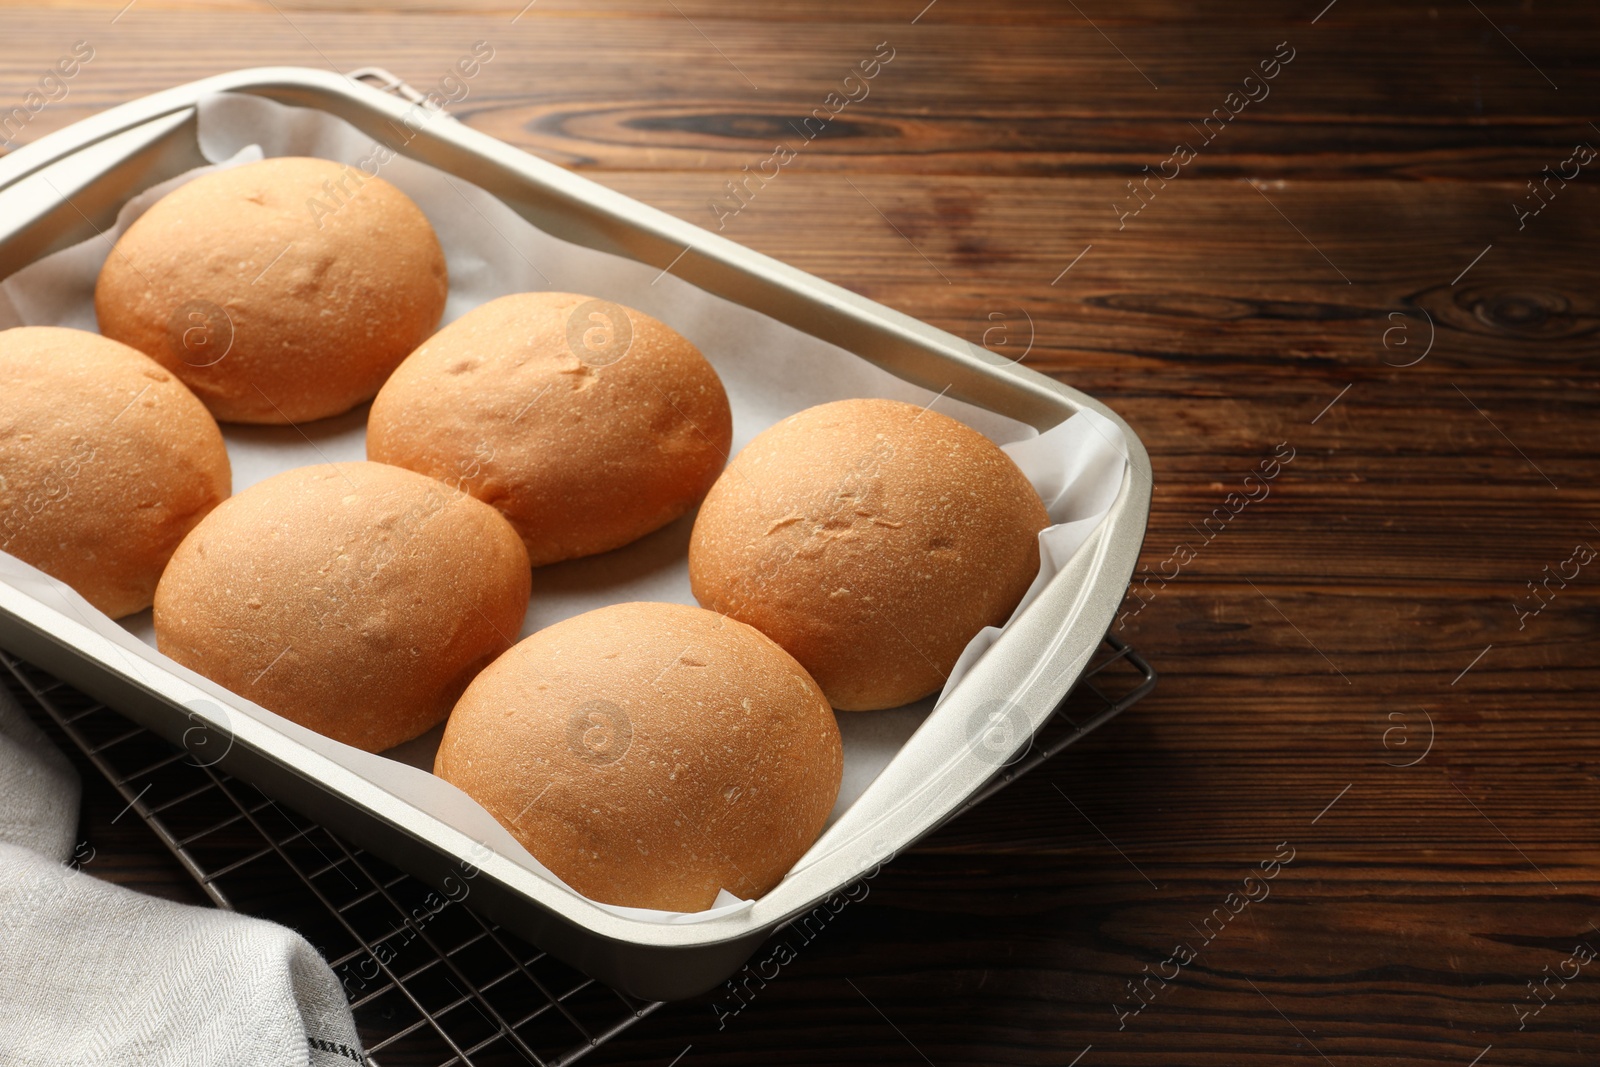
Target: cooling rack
<point x="431" y="983"/>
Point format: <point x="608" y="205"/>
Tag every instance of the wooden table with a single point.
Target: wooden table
<point x="1349" y="272"/>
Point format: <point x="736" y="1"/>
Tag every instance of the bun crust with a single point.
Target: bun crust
<point x="106" y="462"/>
<point x="871" y="539"/>
<point x="586" y="423"/>
<point x="650" y="754"/>
<point x="280" y="291"/>
<point x="355" y="599"/>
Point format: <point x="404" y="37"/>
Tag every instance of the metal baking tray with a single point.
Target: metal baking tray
<point x="68" y="186"/>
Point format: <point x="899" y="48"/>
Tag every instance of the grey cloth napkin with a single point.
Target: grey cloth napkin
<point x="92" y="974"/>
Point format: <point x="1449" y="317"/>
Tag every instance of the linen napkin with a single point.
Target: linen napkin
<point x="92" y="974"/>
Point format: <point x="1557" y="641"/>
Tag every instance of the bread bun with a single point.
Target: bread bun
<point x="872" y="540"/>
<point x="106" y="462"/>
<point x="354" y="598"/>
<point x="586" y="423"/>
<point x="279" y="291"/>
<point x="650" y="754"/>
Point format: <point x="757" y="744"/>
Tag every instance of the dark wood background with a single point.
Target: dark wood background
<point x="1309" y="651"/>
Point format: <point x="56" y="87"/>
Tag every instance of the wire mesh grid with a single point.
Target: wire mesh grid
<point x="429" y="980"/>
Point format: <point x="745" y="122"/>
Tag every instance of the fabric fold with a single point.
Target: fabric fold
<point x="93" y="974"/>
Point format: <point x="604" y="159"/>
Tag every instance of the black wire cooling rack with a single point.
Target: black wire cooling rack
<point x="431" y="983"/>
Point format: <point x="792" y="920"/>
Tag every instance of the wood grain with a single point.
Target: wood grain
<point x="1313" y="646"/>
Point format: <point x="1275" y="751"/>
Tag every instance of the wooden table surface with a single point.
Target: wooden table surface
<point x="1378" y="665"/>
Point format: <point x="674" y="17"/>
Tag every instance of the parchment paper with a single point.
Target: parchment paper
<point x="770" y="371"/>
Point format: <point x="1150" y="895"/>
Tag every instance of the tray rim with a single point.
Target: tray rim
<point x="1110" y="552"/>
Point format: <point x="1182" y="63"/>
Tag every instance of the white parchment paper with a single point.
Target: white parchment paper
<point x="770" y="371"/>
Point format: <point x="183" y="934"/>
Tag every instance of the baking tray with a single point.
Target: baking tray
<point x="68" y="186"/>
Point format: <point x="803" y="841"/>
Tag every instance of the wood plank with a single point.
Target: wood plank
<point x="1375" y="97"/>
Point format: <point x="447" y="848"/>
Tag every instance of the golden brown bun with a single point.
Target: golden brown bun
<point x="872" y="540"/>
<point x="275" y="295"/>
<point x="106" y="462"/>
<point x="586" y="423"/>
<point x="650" y="754"/>
<point x="354" y="598"/>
